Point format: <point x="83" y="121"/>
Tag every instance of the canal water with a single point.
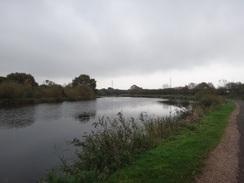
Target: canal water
<point x="33" y="138"/>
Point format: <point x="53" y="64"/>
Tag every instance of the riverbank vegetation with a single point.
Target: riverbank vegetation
<point x="21" y="88"/>
<point x="234" y="90"/>
<point x="150" y="149"/>
<point x="179" y="158"/>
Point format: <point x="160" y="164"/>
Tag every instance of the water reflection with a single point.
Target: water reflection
<point x="85" y="116"/>
<point x="16" y="117"/>
<point x="132" y="107"/>
<point x="45" y="112"/>
<point x="54" y="124"/>
<point x="179" y="103"/>
<point x="82" y="111"/>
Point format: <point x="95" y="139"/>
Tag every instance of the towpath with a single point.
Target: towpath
<point x="240" y="122"/>
<point x="226" y="161"/>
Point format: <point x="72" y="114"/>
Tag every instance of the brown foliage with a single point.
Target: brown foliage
<point x="81" y="92"/>
<point x="22" y="78"/>
<point x="11" y="90"/>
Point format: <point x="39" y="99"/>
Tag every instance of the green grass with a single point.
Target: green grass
<point x="181" y="157"/>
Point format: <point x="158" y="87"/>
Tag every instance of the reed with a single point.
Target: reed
<point x="115" y="143"/>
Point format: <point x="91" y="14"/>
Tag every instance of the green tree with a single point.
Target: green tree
<point x="207" y="95"/>
<point x="22" y="78"/>
<point x="134" y="89"/>
<point x="235" y="88"/>
<point x="85" y="79"/>
<point x="2" y="79"/>
<point x="49" y="83"/>
<point x="205" y="88"/>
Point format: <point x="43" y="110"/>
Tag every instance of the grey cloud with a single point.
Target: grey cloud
<point x="114" y="38"/>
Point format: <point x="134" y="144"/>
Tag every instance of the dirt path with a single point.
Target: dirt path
<point x="222" y="164"/>
<point x="240" y="122"/>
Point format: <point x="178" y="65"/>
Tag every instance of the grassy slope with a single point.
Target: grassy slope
<point x="180" y="158"/>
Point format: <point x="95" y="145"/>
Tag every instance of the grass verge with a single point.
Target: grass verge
<point x="180" y="157"/>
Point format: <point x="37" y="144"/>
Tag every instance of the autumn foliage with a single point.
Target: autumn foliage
<point x="22" y="86"/>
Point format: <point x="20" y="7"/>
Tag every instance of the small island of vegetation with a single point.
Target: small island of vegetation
<point x="21" y="88"/>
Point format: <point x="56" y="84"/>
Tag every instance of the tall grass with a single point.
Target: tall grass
<point x="114" y="144"/>
<point x="9" y="90"/>
<point x="181" y="157"/>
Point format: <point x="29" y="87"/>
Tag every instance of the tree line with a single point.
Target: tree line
<point x="228" y="89"/>
<point x="20" y="87"/>
<point x="23" y="87"/>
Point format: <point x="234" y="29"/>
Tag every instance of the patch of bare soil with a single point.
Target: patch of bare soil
<point x="222" y="163"/>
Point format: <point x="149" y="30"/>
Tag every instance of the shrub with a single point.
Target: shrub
<point x="80" y="92"/>
<point x="208" y="98"/>
<point x="114" y="144"/>
<point x="111" y="146"/>
<point x="11" y="90"/>
<point x="52" y="92"/>
<point x="86" y="92"/>
<point x="22" y="78"/>
<point x="72" y="93"/>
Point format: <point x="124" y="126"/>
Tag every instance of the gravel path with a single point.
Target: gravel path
<point x="240" y="122"/>
<point x="222" y="163"/>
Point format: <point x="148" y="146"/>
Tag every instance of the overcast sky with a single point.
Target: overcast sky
<point x="124" y="42"/>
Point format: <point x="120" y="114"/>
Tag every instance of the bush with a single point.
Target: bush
<point x="208" y="98"/>
<point x="11" y="90"/>
<point x="52" y="92"/>
<point x="112" y="145"/>
<point x="21" y="88"/>
<point x="80" y="92"/>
